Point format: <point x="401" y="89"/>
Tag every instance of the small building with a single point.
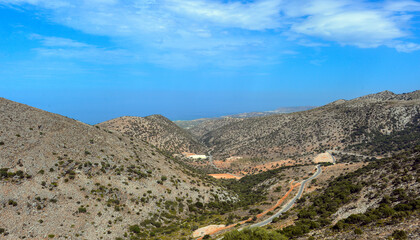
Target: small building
<point x="198" y="156"/>
<point x="194" y="156"/>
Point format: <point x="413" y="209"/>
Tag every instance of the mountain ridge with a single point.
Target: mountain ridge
<point x="158" y="130"/>
<point x="61" y="178"/>
<point x="337" y="124"/>
<point x="198" y="127"/>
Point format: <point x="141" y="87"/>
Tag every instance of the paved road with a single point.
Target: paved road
<point x="211" y="161"/>
<point x="289" y="205"/>
<point x="333" y="158"/>
<point x="291" y="202"/>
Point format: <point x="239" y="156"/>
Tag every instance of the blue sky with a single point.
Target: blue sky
<point x="94" y="60"/>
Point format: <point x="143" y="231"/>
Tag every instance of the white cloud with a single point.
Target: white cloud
<point x="401" y="5"/>
<point x="70" y="49"/>
<point x="258" y="15"/>
<point x="59" y="42"/>
<point x="54" y="4"/>
<point x="181" y="29"/>
<point x="91" y="54"/>
<point x="406" y="47"/>
<point x="360" y="28"/>
<point x="356" y="23"/>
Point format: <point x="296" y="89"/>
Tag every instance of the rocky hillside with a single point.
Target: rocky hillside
<point x="199" y="127"/>
<point x="212" y="124"/>
<point x="378" y="201"/>
<point x="60" y="178"/>
<point x="157" y="130"/>
<point x="337" y="125"/>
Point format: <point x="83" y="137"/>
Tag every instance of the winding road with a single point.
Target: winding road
<point x="211" y="161"/>
<point x="333" y="158"/>
<point x="285" y="208"/>
<point x="291" y="202"/>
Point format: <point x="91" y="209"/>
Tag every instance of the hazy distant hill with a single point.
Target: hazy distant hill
<point x="199" y="127"/>
<point x="157" y="130"/>
<point x="338" y="124"/>
<point x="66" y="179"/>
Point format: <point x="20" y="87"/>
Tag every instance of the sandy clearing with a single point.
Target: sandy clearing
<point x="204" y="230"/>
<point x="263" y="166"/>
<point x="276" y="164"/>
<point x="323" y="157"/>
<point x="225" y="176"/>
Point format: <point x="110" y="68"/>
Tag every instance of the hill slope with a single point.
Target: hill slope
<point x="338" y="124"/>
<point x="374" y="202"/>
<point x="377" y="201"/>
<point x="157" y="130"/>
<point x="199" y="127"/>
<point x="65" y="178"/>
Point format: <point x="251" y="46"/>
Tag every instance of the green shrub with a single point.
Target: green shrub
<point x="254" y="234"/>
<point x="11" y="202"/>
<point x="82" y="210"/>
<point x="134" y="228"/>
<point x="399" y="235"/>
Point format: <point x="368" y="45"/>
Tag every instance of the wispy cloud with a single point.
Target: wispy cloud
<point x="59" y="42"/>
<point x="185" y="29"/>
<point x="406" y="47"/>
<point x="356" y="23"/>
<point x="258" y="15"/>
<point x="70" y="49"/>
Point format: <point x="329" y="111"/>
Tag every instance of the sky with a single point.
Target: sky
<point x="94" y="60"/>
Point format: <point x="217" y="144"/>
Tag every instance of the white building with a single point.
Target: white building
<point x="198" y="156"/>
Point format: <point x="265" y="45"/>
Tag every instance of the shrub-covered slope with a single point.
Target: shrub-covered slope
<point x="66" y="179"/>
<point x="337" y="125"/>
<point x="157" y="130"/>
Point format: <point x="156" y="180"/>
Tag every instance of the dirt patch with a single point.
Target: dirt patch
<point x="276" y="164"/>
<point x="225" y="176"/>
<point x="246" y="167"/>
<point x="323" y="157"/>
<point x="204" y="230"/>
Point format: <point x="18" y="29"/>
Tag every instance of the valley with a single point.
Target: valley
<point x="318" y="173"/>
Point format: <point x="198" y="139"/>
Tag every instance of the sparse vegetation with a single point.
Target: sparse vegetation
<point x="85" y="173"/>
<point x="82" y="210"/>
<point x="254" y="234"/>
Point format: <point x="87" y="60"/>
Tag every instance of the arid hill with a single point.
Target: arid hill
<point x="157" y="130"/>
<point x="336" y="125"/>
<point x="199" y="127"/>
<point x="60" y="178"/>
<point x="212" y="124"/>
<point x="378" y="201"/>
